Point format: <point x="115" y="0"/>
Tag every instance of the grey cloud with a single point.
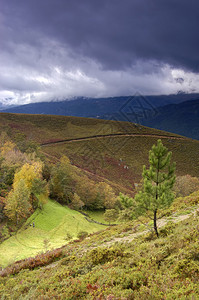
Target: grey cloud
<point x="18" y="84"/>
<point x="115" y="33"/>
<point x="61" y="48"/>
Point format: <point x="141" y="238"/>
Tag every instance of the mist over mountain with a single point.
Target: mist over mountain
<point x="92" y="107"/>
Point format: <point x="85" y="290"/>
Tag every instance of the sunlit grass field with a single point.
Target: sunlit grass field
<point x="52" y="224"/>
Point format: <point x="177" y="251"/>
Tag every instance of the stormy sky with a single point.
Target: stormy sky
<point x="58" y="49"/>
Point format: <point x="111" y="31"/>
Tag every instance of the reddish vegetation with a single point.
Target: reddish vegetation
<point x="122" y="178"/>
<point x="119" y="170"/>
<point x="32" y="262"/>
<point x="15" y="126"/>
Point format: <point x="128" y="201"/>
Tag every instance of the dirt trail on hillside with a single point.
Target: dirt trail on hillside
<point x="132" y="236"/>
<point x="161" y="223"/>
<point x="113" y="135"/>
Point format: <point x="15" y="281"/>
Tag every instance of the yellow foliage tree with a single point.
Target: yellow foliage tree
<point x="65" y="161"/>
<point x="12" y="155"/>
<point x="7" y="147"/>
<point x="17" y="203"/>
<point x="29" y="172"/>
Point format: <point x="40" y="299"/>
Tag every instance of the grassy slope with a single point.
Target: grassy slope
<point x="101" y="157"/>
<point x="52" y="223"/>
<point x="166" y="268"/>
<point x="97" y="215"/>
<point x="142" y="268"/>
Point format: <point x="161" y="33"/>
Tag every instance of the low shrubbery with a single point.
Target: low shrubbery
<point x="82" y="235"/>
<point x="164" y="268"/>
<point x="168" y="229"/>
<point x="102" y="255"/>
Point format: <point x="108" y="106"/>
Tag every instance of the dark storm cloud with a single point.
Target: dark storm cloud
<point x="55" y="49"/>
<point x="115" y="33"/>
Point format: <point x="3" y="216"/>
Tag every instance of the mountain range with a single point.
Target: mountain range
<point x="174" y="113"/>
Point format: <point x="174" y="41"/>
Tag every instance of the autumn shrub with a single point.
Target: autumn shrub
<point x="32" y="262"/>
<point x="76" y="203"/>
<point x="149" y="236"/>
<point x="129" y="228"/>
<point x="101" y="255"/>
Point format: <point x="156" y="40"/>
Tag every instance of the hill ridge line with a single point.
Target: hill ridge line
<point x="112" y="135"/>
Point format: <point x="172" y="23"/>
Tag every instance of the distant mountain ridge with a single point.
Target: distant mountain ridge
<point x="174" y="113"/>
<point x="88" y="107"/>
<point x="182" y="118"/>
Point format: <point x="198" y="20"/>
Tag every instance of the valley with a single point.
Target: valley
<point x="54" y="226"/>
<point x="99" y="150"/>
<point x="85" y="167"/>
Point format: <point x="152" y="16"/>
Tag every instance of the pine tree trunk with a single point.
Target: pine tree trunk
<point x="155" y="222"/>
<point x="156" y="196"/>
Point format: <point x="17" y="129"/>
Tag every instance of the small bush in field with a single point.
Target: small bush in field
<point x="82" y="235"/>
<point x="68" y="236"/>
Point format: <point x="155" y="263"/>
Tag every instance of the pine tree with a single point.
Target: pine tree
<point x="159" y="179"/>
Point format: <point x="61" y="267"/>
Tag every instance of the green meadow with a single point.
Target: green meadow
<point x="52" y="224"/>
